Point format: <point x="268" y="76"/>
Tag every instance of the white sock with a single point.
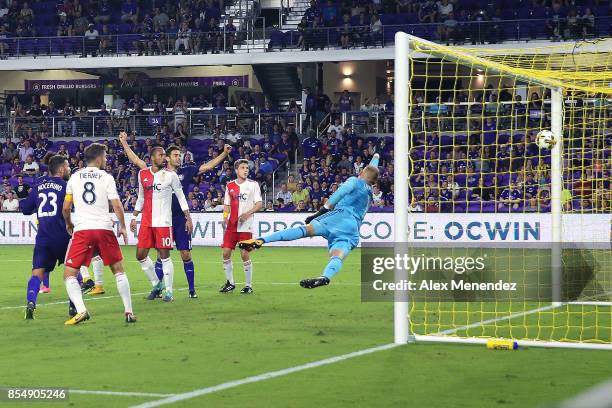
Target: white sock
<point x="85" y="273"/>
<point x="74" y="293"/>
<point x="248" y="272"/>
<point x="123" y="287"/>
<point x="149" y="270"/>
<point x="98" y="270"/>
<point x="168" y="268"/>
<point x="228" y="268"/>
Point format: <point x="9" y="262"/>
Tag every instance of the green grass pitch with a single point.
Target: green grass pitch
<point x="192" y="344"/>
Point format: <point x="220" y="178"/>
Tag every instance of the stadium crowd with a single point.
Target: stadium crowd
<point x="457" y="165"/>
<point x="352" y="23"/>
<point x="102" y="27"/>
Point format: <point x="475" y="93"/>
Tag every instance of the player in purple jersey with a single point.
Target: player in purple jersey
<point x="46" y="200"/>
<point x="182" y="238"/>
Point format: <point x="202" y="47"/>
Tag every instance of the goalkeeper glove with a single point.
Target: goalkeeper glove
<point x="322" y="211"/>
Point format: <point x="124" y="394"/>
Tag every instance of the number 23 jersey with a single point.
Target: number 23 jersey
<point x="91" y="189"/>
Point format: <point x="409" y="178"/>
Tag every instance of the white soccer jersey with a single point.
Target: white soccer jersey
<point x="155" y="197"/>
<point x="91" y="190"/>
<point x="241" y="197"/>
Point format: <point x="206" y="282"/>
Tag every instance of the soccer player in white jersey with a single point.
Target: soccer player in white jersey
<point x="90" y="190"/>
<point x="242" y="201"/>
<point x="155" y="188"/>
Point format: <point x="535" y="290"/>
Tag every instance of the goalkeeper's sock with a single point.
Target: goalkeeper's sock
<point x="33" y="286"/>
<point x="228" y="268"/>
<point x="290" y="234"/>
<point x="333" y="267"/>
<point x="189" y="274"/>
<point x="159" y="269"/>
<point x="79" y="278"/>
<point x="46" y="279"/>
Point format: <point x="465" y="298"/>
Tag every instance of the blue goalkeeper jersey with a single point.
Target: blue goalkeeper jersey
<point x="354" y="196"/>
<point x="46" y="200"/>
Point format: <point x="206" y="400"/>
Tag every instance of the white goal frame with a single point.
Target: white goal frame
<point x="402" y="222"/>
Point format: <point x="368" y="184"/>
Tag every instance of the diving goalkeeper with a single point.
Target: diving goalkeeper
<point x="338" y="221"/>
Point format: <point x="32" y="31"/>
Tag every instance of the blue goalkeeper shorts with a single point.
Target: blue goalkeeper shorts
<point x="340" y="228"/>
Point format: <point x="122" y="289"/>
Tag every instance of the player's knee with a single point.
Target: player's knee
<point x="245" y="255"/>
<point x="310" y="231"/>
<point x="336" y="253"/>
<point x="186" y="256"/>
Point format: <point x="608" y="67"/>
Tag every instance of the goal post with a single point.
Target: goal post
<point x="465" y="122"/>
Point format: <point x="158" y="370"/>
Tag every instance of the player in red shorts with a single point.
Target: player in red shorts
<point x="155" y="188"/>
<point x="242" y="201"/>
<point x="89" y="190"/>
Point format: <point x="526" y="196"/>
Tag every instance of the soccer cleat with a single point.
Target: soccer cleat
<point x="130" y="318"/>
<point x="168" y="297"/>
<point x="247" y="290"/>
<point x="193" y="294"/>
<point x="227" y="288"/>
<point x="97" y="290"/>
<point x="250" y="244"/>
<point x="78" y="318"/>
<point x="44" y="289"/>
<point x="314" y="282"/>
<point x="156" y="291"/>
<point x="29" y="312"/>
<point x="87" y="286"/>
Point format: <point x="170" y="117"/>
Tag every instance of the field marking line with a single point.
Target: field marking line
<point x="262" y="377"/>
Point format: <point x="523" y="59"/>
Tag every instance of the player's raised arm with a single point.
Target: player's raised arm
<point x="132" y="157"/>
<point x="180" y="195"/>
<point x="216" y="161"/>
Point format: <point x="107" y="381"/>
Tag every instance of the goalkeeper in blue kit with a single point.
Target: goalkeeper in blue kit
<point x="338" y="221"/>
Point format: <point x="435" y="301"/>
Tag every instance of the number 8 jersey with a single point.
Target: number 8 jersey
<point x="91" y="189"/>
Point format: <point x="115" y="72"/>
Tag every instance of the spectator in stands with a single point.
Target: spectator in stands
<point x="30" y="167"/>
<point x="25" y="150"/>
<point x="329" y="14"/>
<point x="302" y="29"/>
<point x="300" y="194"/>
<point x="160" y="18"/>
<point x="21" y="189"/>
<point x="92" y="42"/>
<point x="587" y="21"/>
<point x="269" y="206"/>
<point x="212" y="39"/>
<point x="129" y="12"/>
<point x="284" y="194"/>
<point x="183" y="40"/>
<point x="10" y="153"/>
<point x="10" y="203"/>
<point x="4" y="36"/>
<point x="311" y="146"/>
<point x="301" y="207"/>
<point x="230" y="35"/>
<point x="64" y="26"/>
